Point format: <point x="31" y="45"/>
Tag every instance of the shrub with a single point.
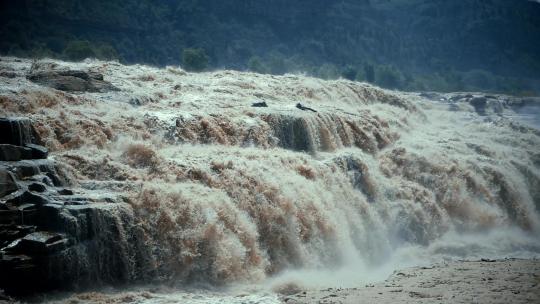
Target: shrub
<point x="194" y="59"/>
<point x="78" y="50"/>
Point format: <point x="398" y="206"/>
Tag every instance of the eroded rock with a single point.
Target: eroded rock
<point x="72" y="81"/>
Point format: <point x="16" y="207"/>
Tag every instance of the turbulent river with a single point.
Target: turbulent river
<point x="218" y="201"/>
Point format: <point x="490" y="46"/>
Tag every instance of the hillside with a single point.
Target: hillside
<point x="411" y="45"/>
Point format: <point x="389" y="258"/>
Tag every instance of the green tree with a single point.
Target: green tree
<point x="349" y="72"/>
<point x="107" y="52"/>
<point x="389" y="77"/>
<point x="256" y="65"/>
<point x="194" y="60"/>
<point x="327" y="71"/>
<point x="78" y="50"/>
<point x="369" y="73"/>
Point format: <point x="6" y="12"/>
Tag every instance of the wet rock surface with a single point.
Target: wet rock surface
<point x="484" y="104"/>
<point x="72" y="80"/>
<point x="49" y="237"/>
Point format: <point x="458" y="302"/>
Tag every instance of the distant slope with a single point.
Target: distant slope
<point x="442" y="38"/>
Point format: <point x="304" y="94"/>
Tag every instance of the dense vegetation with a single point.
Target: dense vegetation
<point x="490" y="45"/>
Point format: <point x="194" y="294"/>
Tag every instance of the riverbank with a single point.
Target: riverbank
<point x="484" y="281"/>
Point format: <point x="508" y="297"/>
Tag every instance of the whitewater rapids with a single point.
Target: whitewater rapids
<point x="218" y="193"/>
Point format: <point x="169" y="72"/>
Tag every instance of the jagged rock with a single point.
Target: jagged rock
<point x="38" y="152"/>
<point x="7" y="183"/>
<point x="9" y="233"/>
<point x="38" y="243"/>
<point x="72" y="81"/>
<point x="37" y="187"/>
<point x="14" y="153"/>
<point x="17" y="131"/>
<point x="259" y="105"/>
<point x="22" y="197"/>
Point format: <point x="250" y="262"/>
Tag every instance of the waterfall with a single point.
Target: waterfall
<point x="213" y="191"/>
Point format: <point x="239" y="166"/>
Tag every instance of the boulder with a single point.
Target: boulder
<point x="25" y="169"/>
<point x="37" y="187"/>
<point x="72" y="81"/>
<point x="17" y="131"/>
<point x="8" y="184"/>
<point x="14" y="153"/>
<point x="38" y="152"/>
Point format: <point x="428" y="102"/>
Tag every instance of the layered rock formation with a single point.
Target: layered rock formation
<point x="50" y="236"/>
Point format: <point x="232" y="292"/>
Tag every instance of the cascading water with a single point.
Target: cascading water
<point x="220" y="193"/>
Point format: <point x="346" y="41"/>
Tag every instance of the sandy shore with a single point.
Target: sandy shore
<point x="502" y="281"/>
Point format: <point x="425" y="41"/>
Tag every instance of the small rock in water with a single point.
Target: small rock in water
<point x="303" y="108"/>
<point x="37" y="187"/>
<point x="65" y="192"/>
<point x="259" y="104"/>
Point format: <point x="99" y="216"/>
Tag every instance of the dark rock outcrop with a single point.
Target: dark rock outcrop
<point x="7" y="183"/>
<point x="14" y="153"/>
<point x="38" y="152"/>
<point x="479" y="104"/>
<point x="19" y="140"/>
<point x="17" y="131"/>
<point x="72" y="81"/>
<point x="50" y="238"/>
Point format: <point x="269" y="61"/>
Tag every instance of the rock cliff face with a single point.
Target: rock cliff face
<point x="50" y="235"/>
<point x="186" y="178"/>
